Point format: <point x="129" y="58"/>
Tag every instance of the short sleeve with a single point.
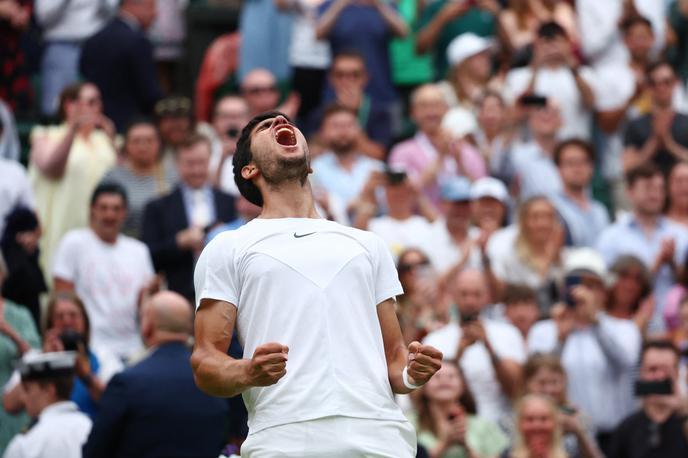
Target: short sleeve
<point x="387" y="283"/>
<point x="65" y="265"/>
<point x="215" y="276"/>
<point x="508" y="343"/>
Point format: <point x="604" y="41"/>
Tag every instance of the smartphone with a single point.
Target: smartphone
<point x="466" y="318"/>
<point x="533" y="100"/>
<point x="647" y="388"/>
<point x="570" y="282"/>
<point x="71" y="340"/>
<point x="395" y="177"/>
<point x="232" y="132"/>
<point x="566" y="410"/>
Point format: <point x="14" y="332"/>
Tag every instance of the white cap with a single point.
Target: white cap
<point x="36" y="364"/>
<point x="585" y="260"/>
<point x="464" y="46"/>
<point x="459" y="122"/>
<point x="489" y="187"/>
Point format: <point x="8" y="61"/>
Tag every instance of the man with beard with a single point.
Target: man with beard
<point x="313" y="304"/>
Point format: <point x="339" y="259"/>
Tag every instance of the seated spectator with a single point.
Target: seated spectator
<point x="67" y="162"/>
<point x="538" y="433"/>
<point x="119" y="60"/>
<point x="109" y="271"/>
<point x="259" y="89"/>
<point x="24" y="282"/>
<point x="494" y="135"/>
<point x="489" y="204"/>
<point x="400" y="227"/>
<point x="175" y="123"/>
<point x="533" y="160"/>
<point x="348" y="77"/>
<point x="646" y="234"/>
<point x="658" y="429"/>
<point x="60" y="429"/>
<point x="534" y="256"/>
<point x="19" y="335"/>
<point x="14" y="189"/>
<point x="521" y="307"/>
<point x="544" y="375"/>
<point x="661" y="136"/>
<point x="343" y="170"/>
<point x="583" y="217"/>
<point x="137" y="417"/>
<point x="599" y="352"/>
<point x="440" y="22"/>
<point x="68" y="328"/>
<point x="447" y="423"/>
<point x="556" y="74"/>
<point x="677" y="194"/>
<point x="65" y="27"/>
<point x="143" y="174"/>
<point x="429" y="158"/>
<point x="630" y="294"/>
<point x="175" y="225"/>
<point x="489" y="353"/>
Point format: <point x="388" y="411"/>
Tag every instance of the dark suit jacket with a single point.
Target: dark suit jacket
<point x="163" y="218"/>
<point x="119" y="60"/>
<point x="154" y="409"/>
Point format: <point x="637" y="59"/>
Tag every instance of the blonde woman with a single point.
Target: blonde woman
<point x="538" y="432"/>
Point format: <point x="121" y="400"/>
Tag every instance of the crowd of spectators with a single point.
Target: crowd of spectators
<point x="525" y="161"/>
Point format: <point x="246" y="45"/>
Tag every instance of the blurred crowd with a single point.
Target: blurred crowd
<point x="525" y="161"/>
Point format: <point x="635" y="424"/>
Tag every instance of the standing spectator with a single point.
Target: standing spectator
<point x="167" y="34"/>
<point x="15" y="89"/>
<point x="365" y="27"/>
<point x="14" y="189"/>
<point x="646" y="234"/>
<point x="678" y="20"/>
<point x="538" y="431"/>
<point x="489" y="353"/>
<point x="175" y="121"/>
<point x="489" y="204"/>
<point x="119" y="60"/>
<point x="494" y="134"/>
<point x="18" y="335"/>
<point x="598" y="352"/>
<point x="534" y="257"/>
<point x="143" y="174"/>
<point x="60" y="429"/>
<point x="630" y="295"/>
<point x="24" y="282"/>
<point x="66" y="26"/>
<point x="442" y="21"/>
<point x="260" y="91"/>
<point x="136" y="416"/>
<point x="447" y="423"/>
<point x="555" y="73"/>
<point x="108" y="270"/>
<point x="660" y="137"/>
<point x="67" y="162"/>
<point x="658" y="429"/>
<point x="175" y="225"/>
<point x="677" y="194"/>
<point x="533" y="160"/>
<point x="583" y="217"/>
<point x="521" y="307"/>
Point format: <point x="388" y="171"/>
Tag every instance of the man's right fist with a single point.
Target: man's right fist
<point x="268" y="365"/>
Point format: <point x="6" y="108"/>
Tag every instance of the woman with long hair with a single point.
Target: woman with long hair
<point x="630" y="295"/>
<point x="447" y="423"/>
<point x="538" y="433"/>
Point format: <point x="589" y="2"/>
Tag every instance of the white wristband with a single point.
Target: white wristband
<point x="407" y="383"/>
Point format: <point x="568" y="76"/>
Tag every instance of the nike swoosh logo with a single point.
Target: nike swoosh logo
<point x="298" y="236"/>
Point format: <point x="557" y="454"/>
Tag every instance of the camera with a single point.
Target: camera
<point x="232" y="132"/>
<point x="71" y="339"/>
<point x="648" y="388"/>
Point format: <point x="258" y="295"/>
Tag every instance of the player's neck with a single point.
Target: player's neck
<point x="289" y="200"/>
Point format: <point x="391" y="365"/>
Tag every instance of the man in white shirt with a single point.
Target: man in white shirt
<point x="61" y="428"/>
<point x="490" y="353"/>
<point x="305" y="295"/>
<point x="557" y="75"/>
<point x="15" y="189"/>
<point x="108" y="271"/>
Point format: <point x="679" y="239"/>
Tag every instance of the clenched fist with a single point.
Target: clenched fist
<point x="423" y="362"/>
<point x="268" y="365"/>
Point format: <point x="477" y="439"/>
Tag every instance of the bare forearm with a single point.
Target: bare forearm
<point x="587" y="95"/>
<point x="676" y="150"/>
<point x="588" y="447"/>
<point x="508" y="377"/>
<point x="427" y="37"/>
<point x="633" y="157"/>
<point x="52" y="160"/>
<point x="218" y="374"/>
<point x="393" y="20"/>
<point x="395" y="367"/>
<point x="326" y="22"/>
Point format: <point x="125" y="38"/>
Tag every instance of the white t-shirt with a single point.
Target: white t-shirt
<point x="480" y="375"/>
<point x="108" y="278"/>
<point x="313" y="285"/>
<point x="401" y="234"/>
<point x="444" y="253"/>
<point x="14" y="189"/>
<point x="559" y="84"/>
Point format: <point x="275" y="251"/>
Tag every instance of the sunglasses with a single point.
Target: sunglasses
<point x="407" y="267"/>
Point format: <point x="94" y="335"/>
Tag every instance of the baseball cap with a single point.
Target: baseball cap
<point x="456" y="189"/>
<point x="464" y="46"/>
<point x="489" y="187"/>
<point x="585" y="261"/>
<point x="37" y="365"/>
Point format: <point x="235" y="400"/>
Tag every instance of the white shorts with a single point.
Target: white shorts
<point x="334" y="437"/>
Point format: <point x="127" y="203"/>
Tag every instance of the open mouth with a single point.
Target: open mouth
<point x="285" y="136"/>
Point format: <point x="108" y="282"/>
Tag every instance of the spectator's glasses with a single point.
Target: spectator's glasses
<point x="408" y="267"/>
<point x="347" y="74"/>
<point x="173" y="106"/>
<point x="256" y="90"/>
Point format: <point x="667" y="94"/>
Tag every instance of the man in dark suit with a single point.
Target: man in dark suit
<point x="154" y="408"/>
<point x="119" y="60"/>
<point x="175" y="225"/>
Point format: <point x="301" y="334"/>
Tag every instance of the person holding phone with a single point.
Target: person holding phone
<point x="660" y="428"/>
<point x="599" y="352"/>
